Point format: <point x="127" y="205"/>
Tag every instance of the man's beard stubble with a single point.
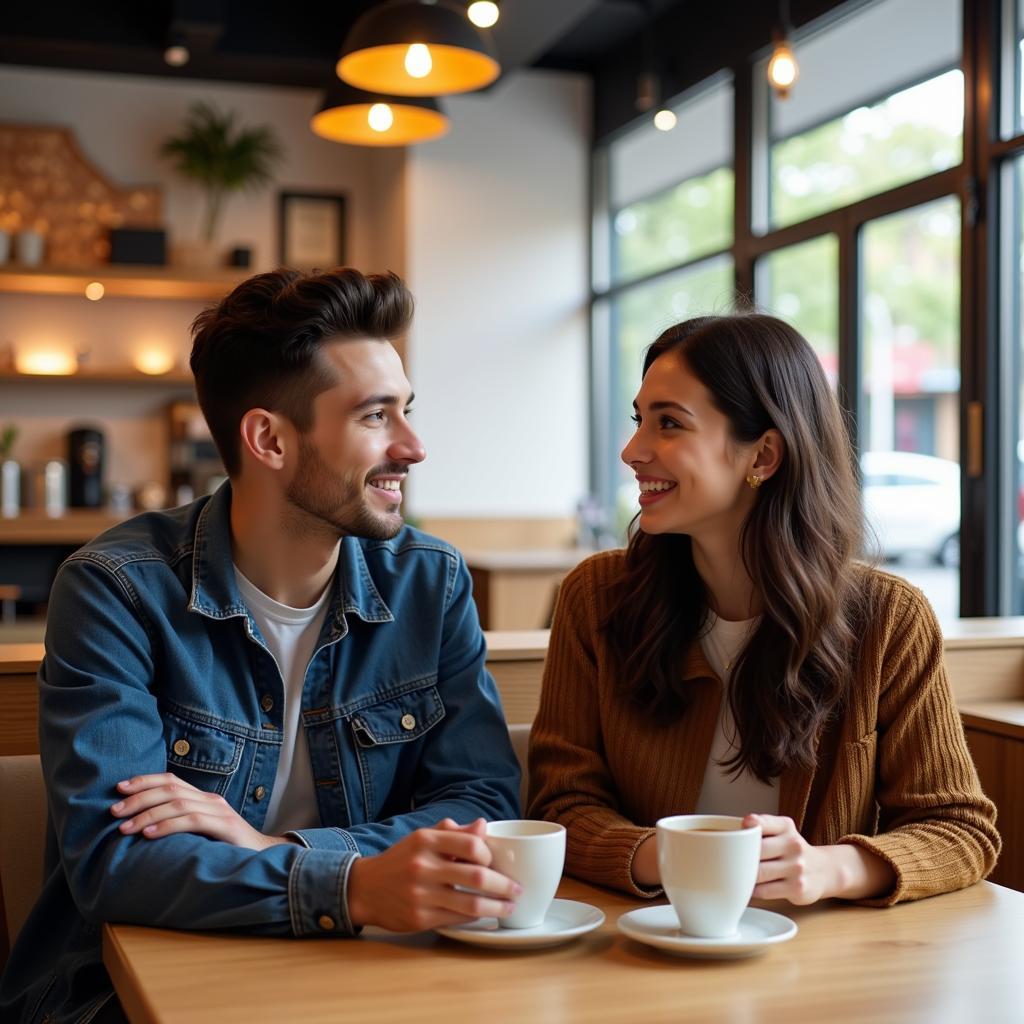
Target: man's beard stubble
<point x="341" y="508"/>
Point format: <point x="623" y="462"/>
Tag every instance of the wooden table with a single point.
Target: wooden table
<point x="953" y="959"/>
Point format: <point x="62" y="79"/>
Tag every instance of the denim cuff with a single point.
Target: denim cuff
<point x="324" y="839"/>
<point x="318" y="893"/>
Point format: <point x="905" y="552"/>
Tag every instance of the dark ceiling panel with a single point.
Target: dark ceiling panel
<point x="289" y="43"/>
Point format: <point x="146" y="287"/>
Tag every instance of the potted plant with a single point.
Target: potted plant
<point x="222" y="157"/>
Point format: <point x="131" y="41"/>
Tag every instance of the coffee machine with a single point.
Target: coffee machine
<point x="85" y="467"/>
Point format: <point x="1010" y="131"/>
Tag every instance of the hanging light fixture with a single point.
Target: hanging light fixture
<point x="648" y="97"/>
<point x="483" y="13"/>
<point x="371" y="119"/>
<point x="416" y="48"/>
<point x="648" y="82"/>
<point x="783" y="70"/>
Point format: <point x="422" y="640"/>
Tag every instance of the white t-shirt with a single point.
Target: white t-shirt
<point x="291" y="635"/>
<point x="722" y="642"/>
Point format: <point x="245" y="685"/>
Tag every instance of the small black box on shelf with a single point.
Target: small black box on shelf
<point x="138" y="245"/>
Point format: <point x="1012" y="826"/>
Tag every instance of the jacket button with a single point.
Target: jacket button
<point x="259" y="793"/>
<point x="408" y="722"/>
<point x="182" y="747"/>
<point x="326" y="922"/>
<point x="267" y="702"/>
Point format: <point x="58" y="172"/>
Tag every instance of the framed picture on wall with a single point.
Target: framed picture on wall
<point x="312" y="230"/>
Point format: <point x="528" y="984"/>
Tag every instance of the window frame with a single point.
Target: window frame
<point x="991" y="88"/>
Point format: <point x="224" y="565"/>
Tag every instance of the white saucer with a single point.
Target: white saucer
<point x="565" y="920"/>
<point x="659" y="927"/>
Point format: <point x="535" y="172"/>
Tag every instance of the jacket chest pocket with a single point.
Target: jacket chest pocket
<point x="385" y="736"/>
<point x="399" y="720"/>
<point x="200" y="754"/>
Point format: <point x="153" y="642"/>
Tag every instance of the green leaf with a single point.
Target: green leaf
<point x="222" y="156"/>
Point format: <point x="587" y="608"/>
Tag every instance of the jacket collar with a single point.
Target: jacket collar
<point x="215" y="593"/>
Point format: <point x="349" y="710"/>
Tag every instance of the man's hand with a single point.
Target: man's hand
<point x="412" y="886"/>
<point x="159" y="805"/>
<point x="791" y="869"/>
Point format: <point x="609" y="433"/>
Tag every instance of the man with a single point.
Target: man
<point x="267" y="710"/>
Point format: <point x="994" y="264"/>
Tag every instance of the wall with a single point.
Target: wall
<point x="498" y="221"/>
<point x="489" y="225"/>
<point x="120" y="122"/>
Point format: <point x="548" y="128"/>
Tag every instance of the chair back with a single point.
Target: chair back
<point x="22" y="843"/>
<point x="520" y="736"/>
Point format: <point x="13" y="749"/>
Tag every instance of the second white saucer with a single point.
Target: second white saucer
<point x="659" y="927"/>
<point x="565" y="920"/>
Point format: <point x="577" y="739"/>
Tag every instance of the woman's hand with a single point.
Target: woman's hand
<point x="162" y="804"/>
<point x="791" y="869"/>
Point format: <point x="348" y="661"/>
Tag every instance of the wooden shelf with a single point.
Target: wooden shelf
<point x="76" y="526"/>
<point x="176" y="379"/>
<point x="140" y="282"/>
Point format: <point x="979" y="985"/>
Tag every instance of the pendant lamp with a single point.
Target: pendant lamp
<point x="371" y="119"/>
<point x="417" y="48"/>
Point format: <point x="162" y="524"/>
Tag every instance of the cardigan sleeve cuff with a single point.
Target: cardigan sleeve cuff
<point x="891" y="848"/>
<point x="647" y="892"/>
<point x="605" y="857"/>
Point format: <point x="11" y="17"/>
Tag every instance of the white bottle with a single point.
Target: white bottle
<point x="10" y="489"/>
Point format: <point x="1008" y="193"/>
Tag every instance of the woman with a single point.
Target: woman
<point x="736" y="659"/>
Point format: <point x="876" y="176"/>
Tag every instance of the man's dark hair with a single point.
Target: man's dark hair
<point x="259" y="347"/>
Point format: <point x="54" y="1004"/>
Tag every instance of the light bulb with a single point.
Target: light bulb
<point x="665" y="120"/>
<point x="94" y="291"/>
<point x="153" y="361"/>
<point x="418" y="62"/>
<point x="176" y="55"/>
<point x="52" y="362"/>
<point x="483" y="13"/>
<point x="783" y="69"/>
<point x="381" y="117"/>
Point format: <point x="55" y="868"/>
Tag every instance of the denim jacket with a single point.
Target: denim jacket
<point x="153" y="663"/>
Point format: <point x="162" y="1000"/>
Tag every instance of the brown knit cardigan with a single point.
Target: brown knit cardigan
<point x="893" y="772"/>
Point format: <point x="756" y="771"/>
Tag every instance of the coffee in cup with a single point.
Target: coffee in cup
<point x="708" y="866"/>
<point x="532" y="853"/>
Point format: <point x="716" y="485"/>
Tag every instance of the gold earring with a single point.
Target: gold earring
<point x="754" y="481"/>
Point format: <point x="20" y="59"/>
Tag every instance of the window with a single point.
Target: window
<point x="889" y="230"/>
<point x="910" y="393"/>
<point x="800" y="284"/>
<point x="887" y="107"/>
<point x="685" y="222"/>
<point x="671" y="197"/>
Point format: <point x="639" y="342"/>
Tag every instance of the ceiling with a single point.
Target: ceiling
<point x="294" y="43"/>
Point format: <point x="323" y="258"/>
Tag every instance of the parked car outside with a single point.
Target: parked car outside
<point x="912" y="504"/>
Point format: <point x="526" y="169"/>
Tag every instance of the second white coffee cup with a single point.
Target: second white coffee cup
<point x="708" y="865"/>
<point x="533" y="853"/>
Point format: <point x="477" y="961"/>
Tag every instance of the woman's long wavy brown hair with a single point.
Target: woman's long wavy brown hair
<point x="798" y="545"/>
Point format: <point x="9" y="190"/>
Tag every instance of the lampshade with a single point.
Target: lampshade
<point x="410" y="48"/>
<point x="371" y="119"/>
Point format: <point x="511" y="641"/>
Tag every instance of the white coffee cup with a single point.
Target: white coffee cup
<point x="708" y="865"/>
<point x="532" y="853"/>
